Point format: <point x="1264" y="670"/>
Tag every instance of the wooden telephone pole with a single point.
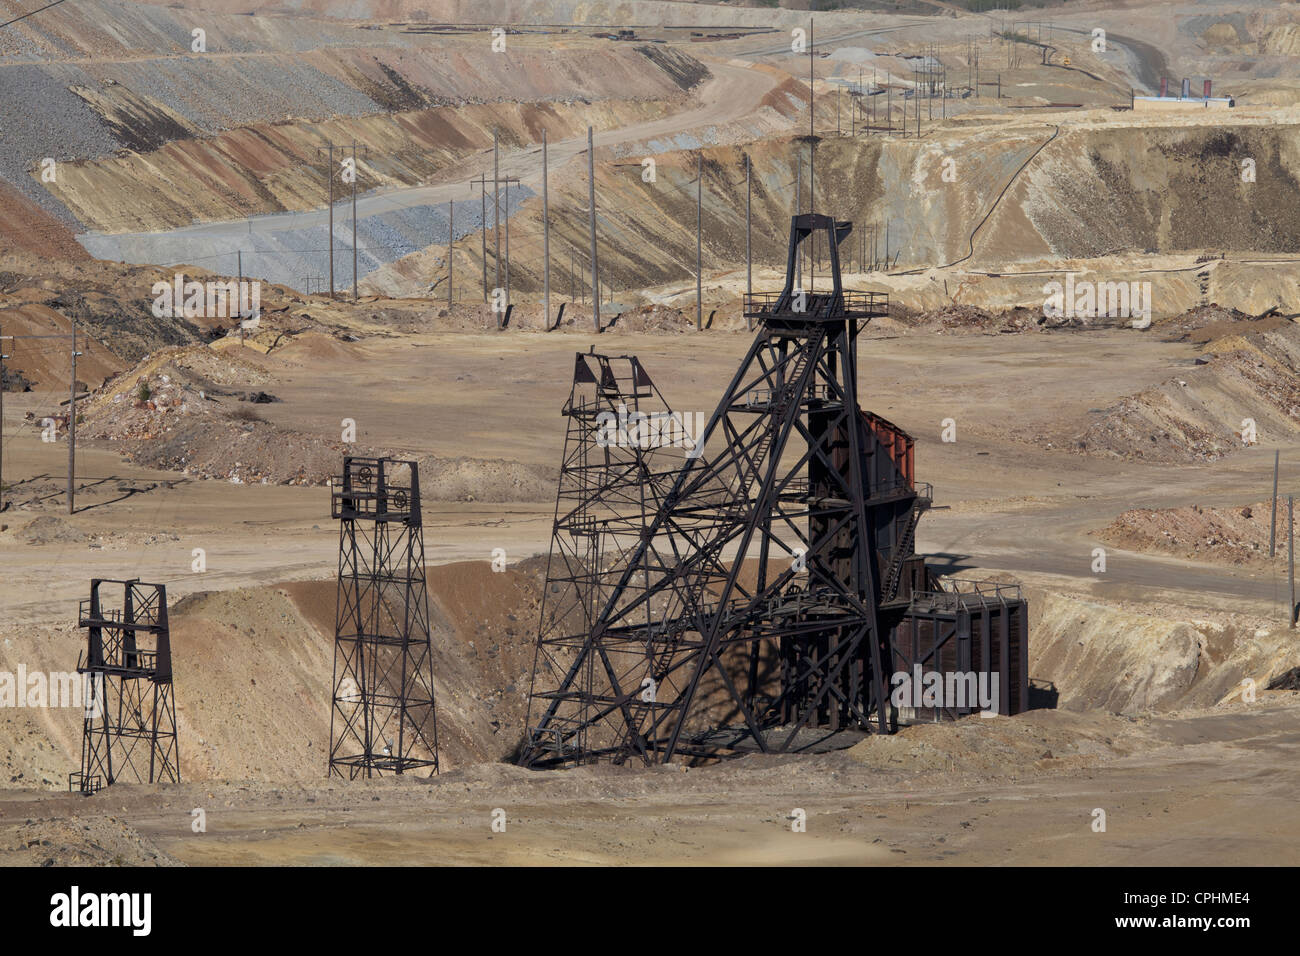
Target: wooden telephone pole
<point x="591" y="199"/>
<point x="546" y="241"/>
<point x="329" y="150"/>
<point x="699" y="242"/>
<point x="3" y="356"/>
<point x="72" y="424"/>
<point x="353" y="147"/>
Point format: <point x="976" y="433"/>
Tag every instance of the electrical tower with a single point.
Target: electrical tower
<point x="130" y="713"/>
<point x="690" y="649"/>
<point x="383" y="718"/>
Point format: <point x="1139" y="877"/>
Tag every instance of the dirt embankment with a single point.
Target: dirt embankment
<point x="28" y="228"/>
<point x="1236" y="536"/>
<point x="196" y="410"/>
<point x="254" y="670"/>
<point x="1243" y="389"/>
<point x="113" y="307"/>
<point x="145" y="131"/>
<point x="253" y="678"/>
<point x="270" y="168"/>
<point x="1134" y="660"/>
<point x="1093" y="191"/>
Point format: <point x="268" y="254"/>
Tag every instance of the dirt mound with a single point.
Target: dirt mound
<point x="957" y="318"/>
<point x="653" y="319"/>
<point x="69" y="839"/>
<point x="1210" y="322"/>
<point x="1236" y="536"/>
<point x="1244" y="390"/>
<point x="238" y="445"/>
<point x="183" y="396"/>
<point x="196" y="410"/>
<point x="47" y="529"/>
<point x="994" y="747"/>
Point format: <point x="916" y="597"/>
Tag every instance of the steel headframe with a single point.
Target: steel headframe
<point x="129" y="726"/>
<point x="382" y="718"/>
<point x="623" y="449"/>
<point x="685" y="648"/>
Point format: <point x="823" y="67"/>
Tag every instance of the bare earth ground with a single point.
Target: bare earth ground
<point x="1001" y="503"/>
<point x="1199" y="783"/>
<point x="1204" y="789"/>
<point x="1154" y="671"/>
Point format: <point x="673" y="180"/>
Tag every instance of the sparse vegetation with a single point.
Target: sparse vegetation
<point x="243" y="413"/>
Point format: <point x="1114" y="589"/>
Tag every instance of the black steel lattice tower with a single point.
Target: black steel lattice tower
<point x="129" y="728"/>
<point x="623" y="448"/>
<point x="383" y="718"/>
<point x="691" y="650"/>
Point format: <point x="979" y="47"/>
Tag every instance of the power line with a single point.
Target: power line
<point x="31" y="13"/>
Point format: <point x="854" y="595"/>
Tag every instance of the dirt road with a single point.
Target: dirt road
<point x="1204" y="789"/>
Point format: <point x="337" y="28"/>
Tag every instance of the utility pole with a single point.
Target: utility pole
<point x="330" y="177"/>
<point x="482" y="183"/>
<point x="507" y="243"/>
<point x="72" y="423"/>
<point x="496" y="203"/>
<point x="451" y="239"/>
<point x="1290" y="556"/>
<point x="239" y="260"/>
<point x="355" y="295"/>
<point x="749" y="260"/>
<point x="1272" y="524"/>
<point x="812" y="135"/>
<point x="3" y="356"/>
<point x="699" y="244"/>
<point x="798" y="201"/>
<point x="591" y="199"/>
<point x="546" y="241"/>
<point x="812" y="96"/>
<point x="483" y="231"/>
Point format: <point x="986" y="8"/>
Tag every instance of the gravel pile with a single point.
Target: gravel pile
<point x="217" y="94"/>
<point x="140" y="29"/>
<point x="40" y="117"/>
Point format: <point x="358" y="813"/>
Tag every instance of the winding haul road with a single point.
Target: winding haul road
<point x="731" y="93"/>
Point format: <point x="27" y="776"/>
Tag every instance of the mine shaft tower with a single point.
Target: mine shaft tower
<point x="613" y="478"/>
<point x="673" y="645"/>
<point x="129" y="726"/>
<point x="382" y="718"/>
